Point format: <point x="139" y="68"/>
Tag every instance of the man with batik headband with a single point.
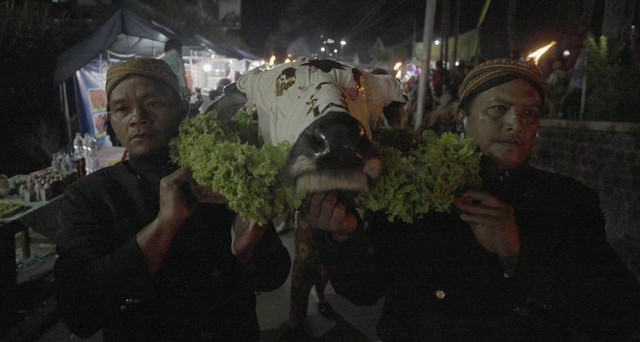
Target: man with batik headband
<point x="143" y="256"/>
<point x="523" y="258"/>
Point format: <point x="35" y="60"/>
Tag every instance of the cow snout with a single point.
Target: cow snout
<point x="334" y="152"/>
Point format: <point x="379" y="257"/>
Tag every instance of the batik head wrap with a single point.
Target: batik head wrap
<point x="495" y="72"/>
<point x="150" y="67"/>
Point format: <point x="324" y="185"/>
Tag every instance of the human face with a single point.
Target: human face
<point x="145" y="115"/>
<point x="503" y="122"/>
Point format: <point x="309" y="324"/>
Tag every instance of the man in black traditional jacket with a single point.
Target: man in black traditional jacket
<point x="142" y="258"/>
<point x="524" y="258"/>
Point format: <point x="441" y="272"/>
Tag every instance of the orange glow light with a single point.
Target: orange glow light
<point x="538" y="53"/>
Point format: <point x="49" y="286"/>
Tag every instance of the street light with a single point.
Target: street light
<point x="342" y="44"/>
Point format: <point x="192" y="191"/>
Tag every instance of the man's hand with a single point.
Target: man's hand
<point x="177" y="198"/>
<point x="176" y="205"/>
<point x="326" y="212"/>
<point x="245" y="236"/>
<point x="492" y="221"/>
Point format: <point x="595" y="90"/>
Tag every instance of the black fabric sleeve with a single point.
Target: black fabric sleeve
<point x="269" y="267"/>
<point x="574" y="272"/>
<point x="606" y="297"/>
<point x="94" y="277"/>
<point x="362" y="266"/>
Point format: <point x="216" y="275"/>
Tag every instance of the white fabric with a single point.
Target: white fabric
<point x="291" y="96"/>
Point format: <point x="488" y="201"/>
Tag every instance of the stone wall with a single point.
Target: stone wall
<point x="606" y="157"/>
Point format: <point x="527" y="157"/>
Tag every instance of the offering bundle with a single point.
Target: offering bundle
<point x="422" y="171"/>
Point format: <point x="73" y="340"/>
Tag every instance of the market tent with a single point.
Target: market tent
<point x="125" y="33"/>
<point x="224" y="49"/>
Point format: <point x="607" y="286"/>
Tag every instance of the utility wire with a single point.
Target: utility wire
<point x="397" y="7"/>
<point x="366" y="19"/>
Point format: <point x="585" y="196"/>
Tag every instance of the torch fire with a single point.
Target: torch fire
<point x="538" y="53"/>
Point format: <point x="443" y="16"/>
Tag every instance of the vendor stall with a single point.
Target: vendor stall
<point x="128" y="35"/>
<point x="20" y="217"/>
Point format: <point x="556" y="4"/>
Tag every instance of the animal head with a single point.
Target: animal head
<point x="333" y="153"/>
<point x="328" y="111"/>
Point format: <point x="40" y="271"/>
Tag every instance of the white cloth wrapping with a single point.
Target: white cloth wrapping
<point x="289" y="97"/>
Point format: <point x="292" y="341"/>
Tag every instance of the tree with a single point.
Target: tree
<point x="32" y="124"/>
<point x="612" y="82"/>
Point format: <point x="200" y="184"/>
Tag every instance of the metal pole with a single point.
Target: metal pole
<point x="445" y="32"/>
<point x="443" y="39"/>
<point x="65" y="108"/>
<point x="456" y="32"/>
<point x="427" y="36"/>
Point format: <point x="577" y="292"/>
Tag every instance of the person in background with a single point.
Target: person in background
<point x="525" y="257"/>
<point x="438" y="77"/>
<point x="206" y="100"/>
<point x="572" y="100"/>
<point x="223" y="82"/>
<point x="556" y="87"/>
<point x="173" y="57"/>
<point x="195" y="101"/>
<point x="146" y="257"/>
<point x="442" y="117"/>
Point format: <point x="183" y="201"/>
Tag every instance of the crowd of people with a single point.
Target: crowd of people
<point x="563" y="89"/>
<point x="148" y="255"/>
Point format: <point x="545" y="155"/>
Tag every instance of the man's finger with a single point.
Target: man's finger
<point x="477" y="219"/>
<point x="315" y="204"/>
<point x="329" y="204"/>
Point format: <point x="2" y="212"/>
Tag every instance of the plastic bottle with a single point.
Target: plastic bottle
<point x="55" y="163"/>
<point x="68" y="159"/>
<point x="78" y="152"/>
<point x="78" y="156"/>
<point x="90" y="153"/>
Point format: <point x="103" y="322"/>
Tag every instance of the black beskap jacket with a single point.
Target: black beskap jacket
<point x="201" y="291"/>
<point x="438" y="283"/>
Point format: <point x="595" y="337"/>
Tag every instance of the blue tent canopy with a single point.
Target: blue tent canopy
<point x="127" y="33"/>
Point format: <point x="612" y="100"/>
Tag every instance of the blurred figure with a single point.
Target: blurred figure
<point x="206" y="100"/>
<point x="195" y="101"/>
<point x="173" y="57"/>
<point x="571" y="103"/>
<point x="442" y="118"/>
<point x="223" y="82"/>
<point x="438" y="77"/>
<point x="556" y="87"/>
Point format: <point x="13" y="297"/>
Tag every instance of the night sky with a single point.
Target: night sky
<point x="284" y="25"/>
<point x="360" y="22"/>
